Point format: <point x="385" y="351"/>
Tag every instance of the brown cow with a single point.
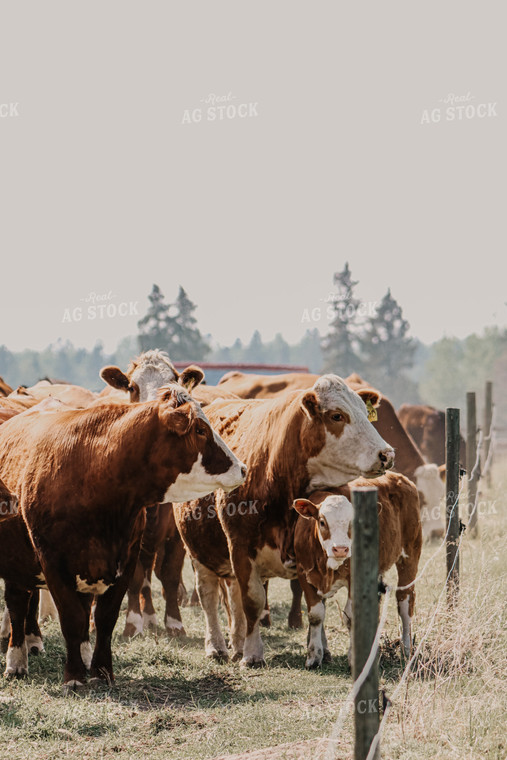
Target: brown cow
<point x="426" y="425"/>
<point x="145" y="375"/>
<point x="293" y="444"/>
<point x="83" y="479"/>
<point x="409" y="460"/>
<point x="323" y="548"/>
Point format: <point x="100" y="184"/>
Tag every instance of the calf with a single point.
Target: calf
<point x="323" y="548"/>
<point x="84" y="478"/>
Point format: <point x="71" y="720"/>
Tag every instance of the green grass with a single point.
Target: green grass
<point x="169" y="702"/>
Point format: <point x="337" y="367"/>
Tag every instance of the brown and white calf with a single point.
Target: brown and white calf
<point x="292" y="444"/>
<point x="83" y="479"/>
<point x="323" y="547"/>
<point x="141" y="382"/>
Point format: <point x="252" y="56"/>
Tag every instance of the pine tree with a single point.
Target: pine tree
<point x="340" y="346"/>
<point x="255" y="351"/>
<point x="186" y="341"/>
<point x="387" y="350"/>
<point x="156" y="327"/>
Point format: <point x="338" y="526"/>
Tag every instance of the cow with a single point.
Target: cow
<point x="426" y="425"/>
<point x="83" y="478"/>
<point x="144" y="376"/>
<point x="322" y="544"/>
<point x="292" y="444"/>
<point x="409" y="460"/>
<point x="72" y="395"/>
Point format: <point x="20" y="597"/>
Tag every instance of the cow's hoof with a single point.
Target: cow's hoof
<point x="295" y="622"/>
<point x="174" y="627"/>
<point x="217" y="655"/>
<point x="16" y="672"/>
<point x="73" y="687"/>
<point x="4" y="644"/>
<point x="237" y="657"/>
<point x="327" y="657"/>
<point x="314" y="662"/>
<point x="265" y="620"/>
<point x="253" y="662"/>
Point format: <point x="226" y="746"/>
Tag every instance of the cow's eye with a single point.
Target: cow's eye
<point x="200" y="430"/>
<point x="337" y="417"/>
<point x="322" y="523"/>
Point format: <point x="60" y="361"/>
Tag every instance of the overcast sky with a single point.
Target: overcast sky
<point x="331" y="141"/>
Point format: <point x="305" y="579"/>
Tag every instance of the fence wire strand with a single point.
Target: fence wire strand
<point x="333" y="739"/>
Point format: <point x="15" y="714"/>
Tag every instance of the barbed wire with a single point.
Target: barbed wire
<point x="376" y="642"/>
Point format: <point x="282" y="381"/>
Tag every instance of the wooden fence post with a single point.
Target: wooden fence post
<point x="452" y="440"/>
<point x="472" y="477"/>
<point x="488" y="417"/>
<point x="365" y="605"/>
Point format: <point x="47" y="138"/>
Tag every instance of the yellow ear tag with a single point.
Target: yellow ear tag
<point x="372" y="412"/>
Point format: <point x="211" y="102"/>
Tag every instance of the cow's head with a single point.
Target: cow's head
<point x="149" y="372"/>
<point x="333" y="526"/>
<point x="201" y="459"/>
<point x="351" y="445"/>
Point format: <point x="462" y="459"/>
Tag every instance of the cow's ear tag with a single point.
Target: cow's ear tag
<point x="372" y="412"/>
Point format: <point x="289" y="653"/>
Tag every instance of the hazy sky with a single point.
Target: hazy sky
<point x="331" y="140"/>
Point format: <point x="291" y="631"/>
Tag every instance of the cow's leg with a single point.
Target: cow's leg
<point x="407" y="571"/>
<point x="182" y="597"/>
<point x="17" y="601"/>
<point x="107" y="609"/>
<point x="207" y="584"/>
<point x="5" y="629"/>
<point x="194" y="599"/>
<point x="295" y="614"/>
<point x="265" y="620"/>
<point x="254" y="600"/>
<point x="169" y="573"/>
<point x="32" y="631"/>
<point x="327" y="657"/>
<point x="237" y="620"/>
<point x="47" y="607"/>
<point x="74" y="612"/>
<point x="316" y="614"/>
<point x="134" y="620"/>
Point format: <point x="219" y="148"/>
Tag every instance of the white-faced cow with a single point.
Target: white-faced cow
<point x="83" y="479"/>
<point x="292" y="445"/>
<point x="141" y="382"/>
<point x="323" y="547"/>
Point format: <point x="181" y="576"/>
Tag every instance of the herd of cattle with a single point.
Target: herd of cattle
<point x="250" y="477"/>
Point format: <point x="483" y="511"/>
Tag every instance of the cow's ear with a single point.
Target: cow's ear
<point x="442" y="472"/>
<point x="370" y="395"/>
<point x="306" y="508"/>
<point x="190" y="377"/>
<point x="179" y="420"/>
<point x="114" y="377"/>
<point x="310" y="405"/>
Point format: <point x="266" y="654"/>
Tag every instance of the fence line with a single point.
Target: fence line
<point x="332" y="741"/>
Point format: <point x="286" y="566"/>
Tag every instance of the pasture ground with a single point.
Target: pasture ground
<point x="168" y="702"/>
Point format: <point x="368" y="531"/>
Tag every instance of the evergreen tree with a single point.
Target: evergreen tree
<point x="186" y="341"/>
<point x="387" y="351"/>
<point x="255" y="351"/>
<point x="156" y="327"/>
<point x="340" y="346"/>
<point x="308" y="351"/>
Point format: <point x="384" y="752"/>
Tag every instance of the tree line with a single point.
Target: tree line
<point x="374" y="343"/>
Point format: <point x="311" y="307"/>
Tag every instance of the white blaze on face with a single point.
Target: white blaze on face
<point x="154" y="371"/>
<point x="432" y="491"/>
<point x="356" y="451"/>
<point x="198" y="482"/>
<point x="336" y="512"/>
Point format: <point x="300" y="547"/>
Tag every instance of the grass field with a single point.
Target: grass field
<point x="169" y="702"/>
